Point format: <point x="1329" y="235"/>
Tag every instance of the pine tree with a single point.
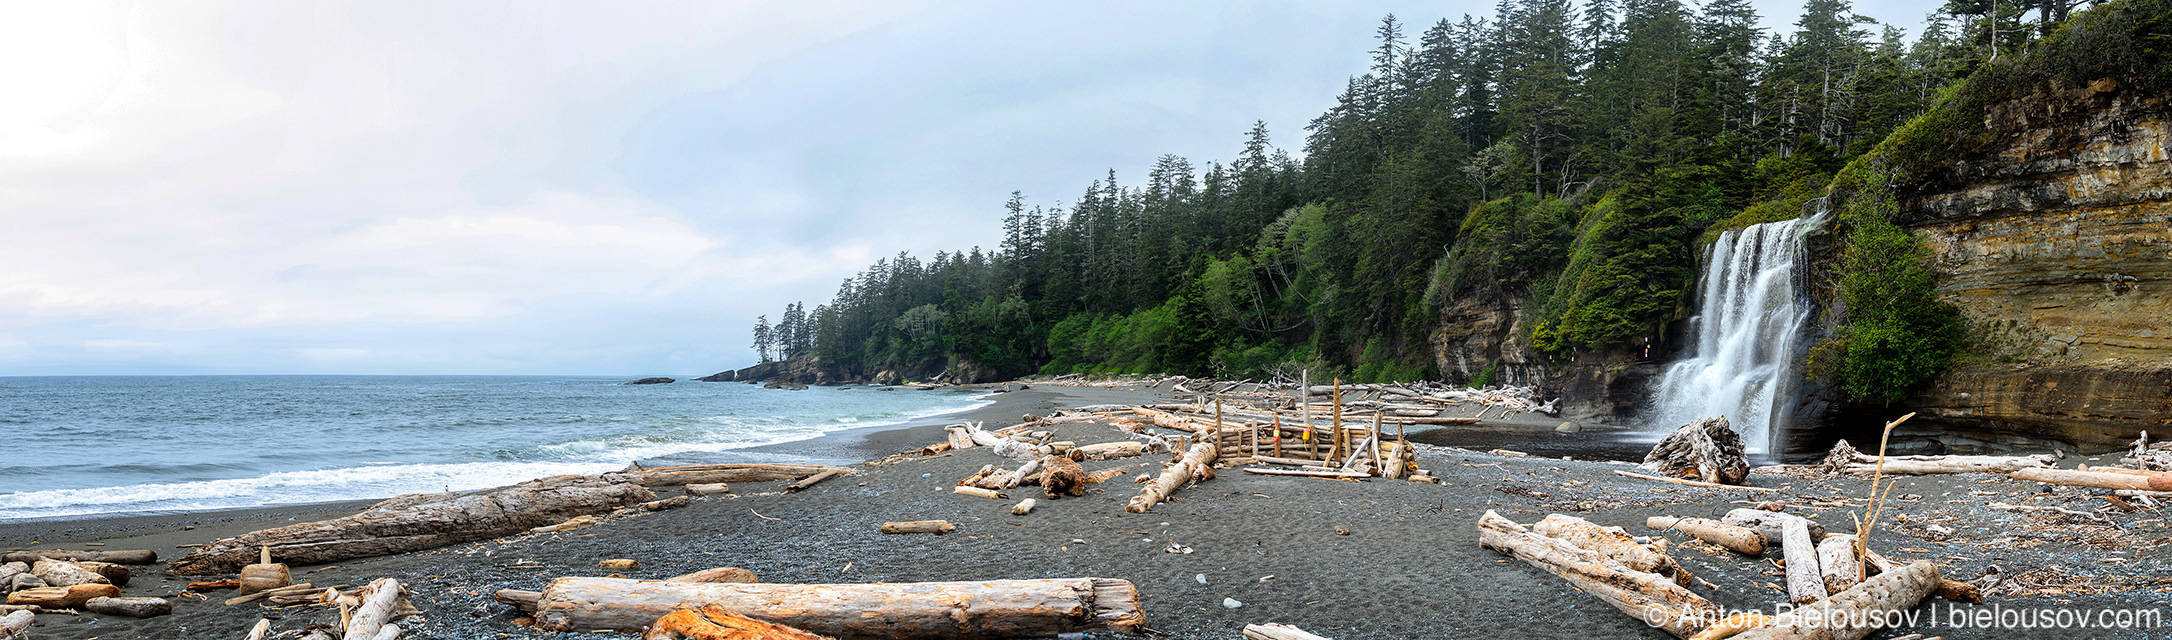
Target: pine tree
<point x="763" y="337"/>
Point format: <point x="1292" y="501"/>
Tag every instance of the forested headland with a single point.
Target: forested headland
<point x="1570" y="157"/>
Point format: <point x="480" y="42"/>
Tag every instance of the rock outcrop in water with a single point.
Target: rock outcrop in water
<point x="2059" y="240"/>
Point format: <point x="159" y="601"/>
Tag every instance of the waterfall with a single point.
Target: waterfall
<point x="1751" y="316"/>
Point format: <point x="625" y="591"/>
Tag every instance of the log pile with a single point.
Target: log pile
<point x="1707" y="450"/>
<point x="419" y="521"/>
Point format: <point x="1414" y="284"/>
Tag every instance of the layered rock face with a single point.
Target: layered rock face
<point x="1477" y="336"/>
<point x="2059" y="242"/>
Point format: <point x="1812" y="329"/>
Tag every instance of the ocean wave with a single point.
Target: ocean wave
<point x="286" y="487"/>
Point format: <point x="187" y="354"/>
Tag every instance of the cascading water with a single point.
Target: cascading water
<point x="1751" y="316"/>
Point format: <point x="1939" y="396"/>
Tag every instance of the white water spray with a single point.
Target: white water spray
<point x="1751" y="316"/>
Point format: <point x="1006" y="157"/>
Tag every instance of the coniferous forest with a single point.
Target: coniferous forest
<point x="1570" y="157"/>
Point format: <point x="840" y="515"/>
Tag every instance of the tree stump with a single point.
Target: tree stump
<point x="1707" y="450"/>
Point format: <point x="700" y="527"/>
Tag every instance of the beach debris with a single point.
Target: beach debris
<point x="1843" y="458"/>
<point x="129" y="556"/>
<point x="716" y="623"/>
<point x="1023" y="507"/>
<point x="1693" y="483"/>
<point x="1196" y="464"/>
<point x="803" y="483"/>
<point x="667" y="504"/>
<point x="21" y="581"/>
<point x="279" y="592"/>
<point x="1804" y="582"/>
<point x="1849" y="614"/>
<point x="526" y="600"/>
<point x="62" y="573"/>
<point x="937" y="527"/>
<point x="905" y="611"/>
<point x="258" y="632"/>
<point x="1738" y="539"/>
<point x="620" y="564"/>
<point x="1175" y="548"/>
<point x="719" y="575"/>
<point x="1614" y="544"/>
<point x="677" y="475"/>
<point x="380" y="603"/>
<point x="420" y="521"/>
<point x="17" y="624"/>
<point x="2149" y="456"/>
<point x="1273" y="631"/>
<point x="1949" y="589"/>
<point x="575" y="523"/>
<point x="63" y="597"/>
<point x="1115" y="450"/>
<point x="1837" y="563"/>
<point x="1061" y="476"/>
<point x="131" y="607"/>
<point x="9" y="570"/>
<point x="2099" y="478"/>
<point x="1707" y="450"/>
<point x="1733" y="625"/>
<point x="265" y="574"/>
<point x="1650" y="597"/>
<point x="978" y="492"/>
<point x="1771" y="524"/>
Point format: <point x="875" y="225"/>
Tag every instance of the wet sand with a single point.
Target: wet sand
<point x="1349" y="560"/>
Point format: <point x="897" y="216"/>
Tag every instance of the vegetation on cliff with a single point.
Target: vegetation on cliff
<point x="1569" y="157"/>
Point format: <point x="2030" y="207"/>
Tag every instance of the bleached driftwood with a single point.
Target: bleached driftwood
<point x="946" y="610"/>
<point x="1846" y="615"/>
<point x="1741" y="540"/>
<point x="1837" y="563"/>
<point x="713" y="473"/>
<point x="419" y="521"/>
<point x="1197" y="463"/>
<point x="124" y="556"/>
<point x="1843" y="458"/>
<point x="1613" y="543"/>
<point x="130" y="607"/>
<point x="1649" y="597"/>
<point x="16" y="624"/>
<point x="1707" y="449"/>
<point x="937" y="527"/>
<point x="1805" y="584"/>
<point x="1770" y="524"/>
<point x="1949" y="589"/>
<point x="380" y="602"/>
<point x="2098" y="479"/>
<point x="1272" y="631"/>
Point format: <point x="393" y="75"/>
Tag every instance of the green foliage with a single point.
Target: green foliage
<point x="1631" y="265"/>
<point x="1898" y="334"/>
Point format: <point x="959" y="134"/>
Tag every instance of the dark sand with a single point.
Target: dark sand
<point x="1409" y="566"/>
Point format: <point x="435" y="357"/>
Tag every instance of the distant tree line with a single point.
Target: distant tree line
<point x="1562" y="158"/>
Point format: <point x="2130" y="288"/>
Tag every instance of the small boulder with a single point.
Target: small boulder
<point x="657" y="380"/>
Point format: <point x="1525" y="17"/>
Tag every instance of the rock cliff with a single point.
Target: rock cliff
<point x="2056" y="239"/>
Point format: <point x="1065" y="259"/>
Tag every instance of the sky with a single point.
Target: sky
<point x="405" y="187"/>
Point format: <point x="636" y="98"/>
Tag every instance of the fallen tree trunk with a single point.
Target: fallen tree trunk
<point x="2097" y="479"/>
<point x="130" y="607"/>
<point x="380" y="602"/>
<point x="1195" y="464"/>
<point x="810" y="481"/>
<point x="1613" y="543"/>
<point x="714" y="473"/>
<point x="1737" y="539"/>
<point x="419" y="521"/>
<point x="1113" y="450"/>
<point x="62" y="573"/>
<point x="1844" y="458"/>
<point x="717" y="623"/>
<point x="1649" y="597"/>
<point x="1852" y="614"/>
<point x="947" y="610"/>
<point x="131" y="556"/>
<point x="1804" y="582"/>
<point x="63" y="597"/>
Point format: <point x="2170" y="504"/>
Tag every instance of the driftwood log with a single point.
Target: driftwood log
<point x="1737" y="539"/>
<point x="1949" y="589"/>
<point x="132" y="556"/>
<point x="803" y="483"/>
<point x="1613" y="543"/>
<point x="1848" y="615"/>
<point x="937" y="527"/>
<point x="1805" y="583"/>
<point x="714" y="473"/>
<point x="1843" y="458"/>
<point x="947" y="610"/>
<point x="717" y="623"/>
<point x="2146" y="481"/>
<point x="1770" y="524"/>
<point x="1837" y="563"/>
<point x="419" y="521"/>
<point x="1649" y="597"/>
<point x="1707" y="450"/>
<point x="63" y="597"/>
<point x="130" y="607"/>
<point x="1197" y="462"/>
<point x="1273" y="631"/>
<point x="62" y="573"/>
<point x="380" y="604"/>
<point x="16" y="624"/>
<point x="719" y="575"/>
<point x="1733" y="625"/>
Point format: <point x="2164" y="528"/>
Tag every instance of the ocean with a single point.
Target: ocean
<point x="81" y="446"/>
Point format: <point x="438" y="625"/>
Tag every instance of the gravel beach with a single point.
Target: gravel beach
<point x="1343" y="559"/>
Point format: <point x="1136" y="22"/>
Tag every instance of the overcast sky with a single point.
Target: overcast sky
<point x="580" y="188"/>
